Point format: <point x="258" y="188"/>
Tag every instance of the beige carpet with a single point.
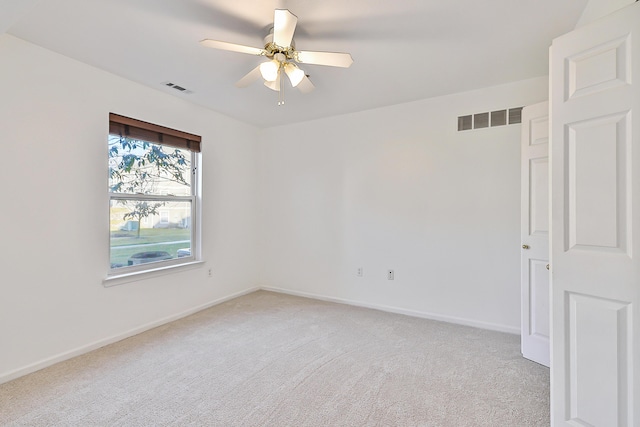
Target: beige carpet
<point x="267" y="359"/>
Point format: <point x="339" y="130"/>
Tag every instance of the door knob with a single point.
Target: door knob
<point x="525" y="246"/>
<point x="547" y="266"/>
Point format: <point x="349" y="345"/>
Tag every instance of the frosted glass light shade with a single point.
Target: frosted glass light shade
<point x="294" y="73"/>
<point x="274" y="85"/>
<point x="269" y="70"/>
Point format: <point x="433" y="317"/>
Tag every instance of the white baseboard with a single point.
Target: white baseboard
<point x="11" y="375"/>
<point x="397" y="310"/>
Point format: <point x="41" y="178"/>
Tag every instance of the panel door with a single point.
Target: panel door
<point x="535" y="234"/>
<point x="595" y="205"/>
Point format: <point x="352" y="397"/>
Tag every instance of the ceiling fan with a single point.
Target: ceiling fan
<point x="279" y="48"/>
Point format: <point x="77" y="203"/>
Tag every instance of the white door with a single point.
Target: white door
<point x="595" y="226"/>
<point x="534" y="228"/>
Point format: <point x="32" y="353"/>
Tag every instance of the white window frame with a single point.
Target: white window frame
<point x="115" y="275"/>
<point x="164" y="213"/>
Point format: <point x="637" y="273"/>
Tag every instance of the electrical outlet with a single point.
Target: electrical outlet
<point x="359" y="272"/>
<point x="210" y="272"/>
<point x="389" y="274"/>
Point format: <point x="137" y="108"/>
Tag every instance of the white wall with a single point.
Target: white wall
<point x="399" y="188"/>
<point x="297" y="207"/>
<point x="596" y="9"/>
<point x="54" y="212"/>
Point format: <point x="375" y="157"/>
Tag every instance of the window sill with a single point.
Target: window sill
<point x="120" y="279"/>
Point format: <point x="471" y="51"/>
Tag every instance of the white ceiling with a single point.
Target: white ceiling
<point x="403" y="50"/>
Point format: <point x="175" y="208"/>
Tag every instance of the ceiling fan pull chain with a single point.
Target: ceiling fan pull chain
<point x="281" y="91"/>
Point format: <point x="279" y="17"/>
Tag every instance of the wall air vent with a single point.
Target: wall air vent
<point x="499" y="118"/>
<point x="515" y="115"/>
<point x="504" y="117"/>
<point x="481" y="120"/>
<point x="465" y="123"/>
<point x="177" y="87"/>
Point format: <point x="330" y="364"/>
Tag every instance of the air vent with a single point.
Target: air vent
<point x="504" y="117"/>
<point x="499" y="118"/>
<point x="515" y="115"/>
<point x="177" y="87"/>
<point x="465" y="123"/>
<point x="481" y="120"/>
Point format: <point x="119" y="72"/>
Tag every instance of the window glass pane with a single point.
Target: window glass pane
<point x="144" y="231"/>
<point x="140" y="167"/>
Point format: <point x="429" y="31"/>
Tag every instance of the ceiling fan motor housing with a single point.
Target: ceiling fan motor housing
<point x="272" y="49"/>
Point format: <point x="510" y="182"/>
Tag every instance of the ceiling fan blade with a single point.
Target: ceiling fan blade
<point x="305" y="85"/>
<point x="332" y="59"/>
<point x="284" y="25"/>
<point x="249" y="78"/>
<point x="218" y="17"/>
<point x="216" y="44"/>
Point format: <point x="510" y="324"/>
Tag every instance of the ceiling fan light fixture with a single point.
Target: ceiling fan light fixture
<point x="275" y="84"/>
<point x="282" y="56"/>
<point x="294" y="73"/>
<point x="269" y="70"/>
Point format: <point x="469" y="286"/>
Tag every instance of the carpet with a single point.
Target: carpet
<point x="267" y="359"/>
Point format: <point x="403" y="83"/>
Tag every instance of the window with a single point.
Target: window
<point x="153" y="196"/>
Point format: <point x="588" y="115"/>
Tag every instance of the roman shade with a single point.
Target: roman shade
<point x="137" y="129"/>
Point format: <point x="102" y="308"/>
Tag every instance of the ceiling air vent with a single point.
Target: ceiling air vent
<point x="177" y="87"/>
<point x="504" y="117"/>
